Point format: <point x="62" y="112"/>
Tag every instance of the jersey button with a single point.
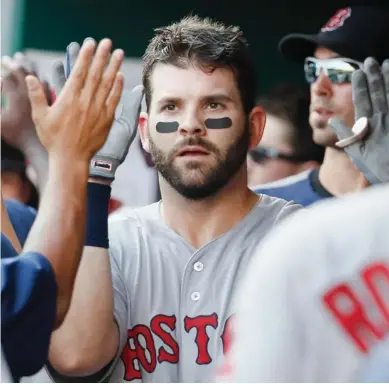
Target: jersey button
<point x="198" y="266"/>
<point x="195" y="296"/>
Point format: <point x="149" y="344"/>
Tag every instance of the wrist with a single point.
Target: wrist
<point x="98" y="196"/>
<point x="100" y="180"/>
<point x="69" y="164"/>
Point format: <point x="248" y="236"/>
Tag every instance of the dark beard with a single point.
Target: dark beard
<point x="227" y="166"/>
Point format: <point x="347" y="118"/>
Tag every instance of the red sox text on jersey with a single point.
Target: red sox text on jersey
<point x="133" y="350"/>
<point x="348" y="308"/>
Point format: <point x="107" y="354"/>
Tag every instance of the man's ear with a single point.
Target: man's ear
<point x="257" y="120"/>
<point x="143" y="131"/>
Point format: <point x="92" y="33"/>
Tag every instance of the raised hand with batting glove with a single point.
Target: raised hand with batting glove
<point x="124" y="128"/>
<point x="37" y="286"/>
<point x="367" y="143"/>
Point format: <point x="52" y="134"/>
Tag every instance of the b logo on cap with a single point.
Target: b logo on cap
<point x="337" y="20"/>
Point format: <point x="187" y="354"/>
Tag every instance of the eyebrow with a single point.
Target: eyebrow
<point x="215" y="97"/>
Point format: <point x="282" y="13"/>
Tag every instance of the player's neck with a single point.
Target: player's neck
<point x="339" y="175"/>
<point x="201" y="221"/>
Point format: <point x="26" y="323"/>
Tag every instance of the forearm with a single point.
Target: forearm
<point x="59" y="229"/>
<point x="88" y="338"/>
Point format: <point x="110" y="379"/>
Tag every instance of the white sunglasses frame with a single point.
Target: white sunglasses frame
<point x="323" y="61"/>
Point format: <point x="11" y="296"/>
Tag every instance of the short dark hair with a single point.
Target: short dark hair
<point x="205" y="43"/>
<point x="291" y="103"/>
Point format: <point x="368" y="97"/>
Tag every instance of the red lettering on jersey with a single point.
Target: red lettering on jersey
<point x="129" y="354"/>
<point x="353" y="318"/>
<point x="376" y="277"/>
<point x="202" y="338"/>
<point x="166" y="337"/>
<point x="226" y="335"/>
<point x="225" y="369"/>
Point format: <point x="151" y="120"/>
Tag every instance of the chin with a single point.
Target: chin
<point x="324" y="137"/>
<point x="196" y="191"/>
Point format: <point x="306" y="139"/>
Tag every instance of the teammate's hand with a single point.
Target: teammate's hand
<point x="368" y="142"/>
<point x="17" y="127"/>
<point x="124" y="128"/>
<point x="77" y="124"/>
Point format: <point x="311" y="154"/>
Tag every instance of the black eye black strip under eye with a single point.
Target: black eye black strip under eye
<point x="167" y="127"/>
<point x="224" y="122"/>
<point x="172" y="126"/>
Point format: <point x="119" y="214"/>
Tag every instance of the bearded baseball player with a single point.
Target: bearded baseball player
<point x="154" y="302"/>
<point x="321" y="296"/>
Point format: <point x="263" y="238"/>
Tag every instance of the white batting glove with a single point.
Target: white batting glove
<point x="367" y="143"/>
<point x="123" y="131"/>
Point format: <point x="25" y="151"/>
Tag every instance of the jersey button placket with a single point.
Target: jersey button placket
<point x="192" y="303"/>
<point x="195" y="296"/>
<point x="198" y="266"/>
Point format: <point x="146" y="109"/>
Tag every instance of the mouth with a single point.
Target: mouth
<point x="324" y="113"/>
<point x="192" y="151"/>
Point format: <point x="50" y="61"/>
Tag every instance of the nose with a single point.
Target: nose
<point x="322" y="86"/>
<point x="192" y="125"/>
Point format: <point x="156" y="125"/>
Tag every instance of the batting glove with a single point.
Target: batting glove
<point x="367" y="143"/>
<point x="123" y="131"/>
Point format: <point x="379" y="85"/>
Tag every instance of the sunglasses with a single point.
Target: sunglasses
<point x="338" y="70"/>
<point x="260" y="154"/>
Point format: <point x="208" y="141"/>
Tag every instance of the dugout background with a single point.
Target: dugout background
<point x="52" y="24"/>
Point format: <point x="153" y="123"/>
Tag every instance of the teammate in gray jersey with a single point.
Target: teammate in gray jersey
<point x="155" y="304"/>
<point x="322" y="301"/>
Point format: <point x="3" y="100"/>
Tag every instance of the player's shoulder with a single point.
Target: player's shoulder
<point x="355" y="223"/>
<point x="275" y="209"/>
<point x="299" y="188"/>
<point x="129" y="222"/>
<point x="134" y="215"/>
<point x="362" y="209"/>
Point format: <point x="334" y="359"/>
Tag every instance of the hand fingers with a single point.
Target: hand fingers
<point x="72" y="52"/>
<point x="96" y="70"/>
<point x="385" y="73"/>
<point x="132" y="106"/>
<point x="8" y="65"/>
<point x="24" y="62"/>
<point x="376" y="86"/>
<point x="8" y="68"/>
<point x="59" y="78"/>
<point x="136" y="97"/>
<point x="109" y="76"/>
<point x="10" y="80"/>
<point x="48" y="92"/>
<point x="76" y="80"/>
<point x="114" y="97"/>
<point x="361" y="97"/>
<point x="23" y="68"/>
<point x="15" y="69"/>
<point x="39" y="105"/>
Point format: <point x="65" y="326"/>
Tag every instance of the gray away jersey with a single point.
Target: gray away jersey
<point x="172" y="301"/>
<point x="314" y="307"/>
